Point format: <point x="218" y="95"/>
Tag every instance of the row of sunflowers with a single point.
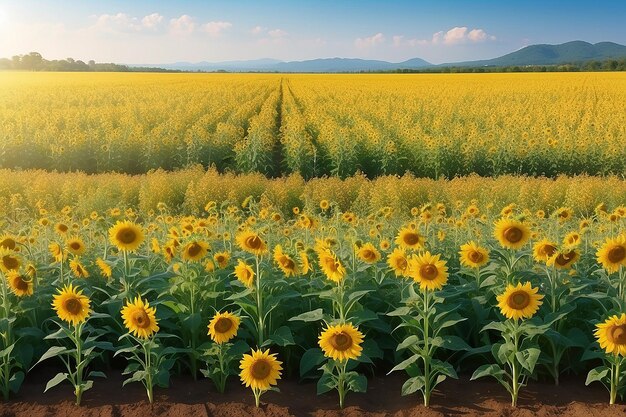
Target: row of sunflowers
<point x="316" y="294"/>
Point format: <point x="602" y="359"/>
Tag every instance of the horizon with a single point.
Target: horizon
<point x="152" y="32"/>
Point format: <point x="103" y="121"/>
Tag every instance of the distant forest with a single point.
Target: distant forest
<point x="35" y="62"/>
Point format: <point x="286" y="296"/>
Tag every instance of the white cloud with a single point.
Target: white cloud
<point x="400" y="41"/>
<point x="370" y="41"/>
<point x="458" y="35"/>
<point x="152" y="21"/>
<point x="183" y="25"/>
<point x="257" y="30"/>
<point x="121" y="22"/>
<point x="216" y="28"/>
<point x="277" y="33"/>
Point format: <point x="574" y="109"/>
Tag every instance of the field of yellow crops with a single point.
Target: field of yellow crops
<point x="430" y="125"/>
<point x="255" y="227"/>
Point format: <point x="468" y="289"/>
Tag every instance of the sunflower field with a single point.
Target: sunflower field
<point x="256" y="228"/>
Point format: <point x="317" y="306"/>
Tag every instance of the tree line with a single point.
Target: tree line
<point x="35" y="62"/>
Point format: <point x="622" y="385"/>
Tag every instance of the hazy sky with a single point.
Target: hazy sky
<point x="152" y="32"/>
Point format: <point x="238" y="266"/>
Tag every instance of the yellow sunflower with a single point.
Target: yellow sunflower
<point x="330" y="265"/>
<point x="611" y="335"/>
<point x="75" y="245"/>
<point x="409" y="238"/>
<point x="139" y="318"/>
<point x="9" y="260"/>
<point x="572" y="239"/>
<point x="612" y="254"/>
<point x="521" y="301"/>
<point x="222" y="258"/>
<point x="260" y="370"/>
<point x="78" y="269"/>
<point x="20" y="285"/>
<point x="324" y="204"/>
<point x="244" y="273"/>
<point x="8" y="242"/>
<point x="61" y="228"/>
<point x="223" y="327"/>
<point x="284" y="262"/>
<point x="105" y="268"/>
<point x="341" y="342"/>
<point x="368" y="253"/>
<point x="71" y="305"/>
<point x="511" y="234"/>
<point x="398" y="262"/>
<point x="126" y="236"/>
<point x="251" y="242"/>
<point x="429" y="271"/>
<point x="543" y="250"/>
<point x="56" y="251"/>
<point x="305" y="265"/>
<point x="473" y="255"/>
<point x="563" y="259"/>
<point x="195" y="251"/>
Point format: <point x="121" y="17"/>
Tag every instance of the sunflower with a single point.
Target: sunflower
<point x="244" y="273"/>
<point x="473" y="255"/>
<point x="154" y="245"/>
<point x="521" y="301"/>
<point x="223" y="327"/>
<point x="368" y="253"/>
<point x="543" y="250"/>
<point x="612" y="254"/>
<point x="222" y="258"/>
<point x="169" y="251"/>
<point x="341" y="342"/>
<point x="105" y="268"/>
<point x="195" y="250"/>
<point x="260" y="370"/>
<point x="251" y="242"/>
<point x="126" y="236"/>
<point x="75" y="245"/>
<point x="78" y="269"/>
<point x="56" y="251"/>
<point x="20" y="285"/>
<point x="511" y="234"/>
<point x="8" y="242"/>
<point x="305" y="265"/>
<point x="563" y="259"/>
<point x="9" y="260"/>
<point x="61" y="228"/>
<point x="409" y="238"/>
<point x="330" y="265"/>
<point x="429" y="271"/>
<point x="71" y="305"/>
<point x="611" y="335"/>
<point x="398" y="262"/>
<point x="284" y="262"/>
<point x="139" y="318"/>
<point x="324" y="205"/>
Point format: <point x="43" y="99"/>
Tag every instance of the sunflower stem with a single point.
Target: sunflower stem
<point x="6" y="359"/>
<point x="259" y="304"/>
<point x="147" y="345"/>
<point x="79" y="354"/>
<point x="426" y="348"/>
<point x="515" y="381"/>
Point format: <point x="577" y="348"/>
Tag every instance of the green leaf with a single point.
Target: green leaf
<point x="58" y="378"/>
<point x="311" y="358"/>
<point x="192" y="322"/>
<point x="281" y="337"/>
<point x="51" y="353"/>
<point x="409" y="341"/>
<point x="454" y="343"/>
<point x="325" y="383"/>
<point x="528" y="358"/>
<point x="87" y="385"/>
<point x="405" y="363"/>
<point x="239" y="295"/>
<point x="400" y="311"/>
<point x="450" y="322"/>
<point x="494" y="325"/>
<point x="412" y="385"/>
<point x="96" y="374"/>
<point x="597" y="374"/>
<point x="16" y="381"/>
<point x="315" y="315"/>
<point x="488" y="370"/>
<point x="356" y="382"/>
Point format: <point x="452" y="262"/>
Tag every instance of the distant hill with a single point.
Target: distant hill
<point x="348" y="65"/>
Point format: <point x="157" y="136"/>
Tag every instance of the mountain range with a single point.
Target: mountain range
<point x="543" y="54"/>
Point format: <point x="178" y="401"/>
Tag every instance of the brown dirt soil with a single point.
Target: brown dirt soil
<point x="188" y="398"/>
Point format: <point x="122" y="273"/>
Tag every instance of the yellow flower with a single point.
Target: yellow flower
<point x="126" y="236"/>
<point x="324" y="204"/>
<point x="305" y="265"/>
<point x="521" y="301"/>
<point x="612" y="254"/>
<point x="398" y="262"/>
<point x="511" y="234"/>
<point x="284" y="262"/>
<point x="222" y="258"/>
<point x="71" y="305"/>
<point x="260" y="370"/>
<point x="75" y="245"/>
<point x="78" y="269"/>
<point x="563" y="259"/>
<point x="409" y="238"/>
<point x="251" y="242"/>
<point x="61" y="228"/>
<point x="368" y="253"/>
<point x="9" y="260"/>
<point x="341" y="342"/>
<point x="139" y="318"/>
<point x="20" y="285"/>
<point x="8" y="242"/>
<point x="56" y="251"/>
<point x="611" y="335"/>
<point x="195" y="251"/>
<point x="105" y="268"/>
<point x="543" y="250"/>
<point x="244" y="273"/>
<point x="572" y="239"/>
<point x="473" y="255"/>
<point x="429" y="271"/>
<point x="330" y="265"/>
<point x="223" y="327"/>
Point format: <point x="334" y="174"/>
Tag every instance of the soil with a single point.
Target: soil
<point x="186" y="397"/>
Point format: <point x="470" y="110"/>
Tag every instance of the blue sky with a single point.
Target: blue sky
<point x="154" y="32"/>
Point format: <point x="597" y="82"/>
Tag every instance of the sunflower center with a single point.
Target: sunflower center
<point x="368" y="254"/>
<point x="8" y="243"/>
<point x="475" y="256"/>
<point x="254" y="242"/>
<point x="548" y="250"/>
<point x="618" y="334"/>
<point x="75" y="245"/>
<point x="126" y="235"/>
<point x="411" y="238"/>
<point x="260" y="369"/>
<point x="513" y="234"/>
<point x="518" y="300"/>
<point x="73" y="306"/>
<point x="223" y="325"/>
<point x="402" y="264"/>
<point x="62" y="228"/>
<point x="20" y="284"/>
<point x="564" y="258"/>
<point x="429" y="272"/>
<point x="220" y="259"/>
<point x="287" y="263"/>
<point x="617" y="254"/>
<point x="194" y="249"/>
<point x="10" y="262"/>
<point x="341" y="341"/>
<point x="141" y="319"/>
